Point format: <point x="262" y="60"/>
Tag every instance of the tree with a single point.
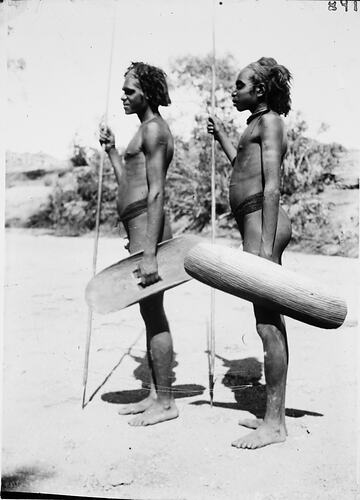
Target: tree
<point x="309" y="164"/>
<point x="189" y="178"/>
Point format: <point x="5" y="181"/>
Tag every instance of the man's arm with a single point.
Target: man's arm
<point x="214" y="128"/>
<point x="271" y="135"/>
<point x="154" y="145"/>
<point x="107" y="140"/>
<point x="117" y="165"/>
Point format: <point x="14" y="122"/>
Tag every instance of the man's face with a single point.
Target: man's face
<point x="244" y="96"/>
<point x="133" y="98"/>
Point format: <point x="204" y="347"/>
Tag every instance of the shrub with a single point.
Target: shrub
<point x="71" y="209"/>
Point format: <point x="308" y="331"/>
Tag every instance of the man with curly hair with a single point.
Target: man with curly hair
<point x="263" y="88"/>
<point x="140" y="203"/>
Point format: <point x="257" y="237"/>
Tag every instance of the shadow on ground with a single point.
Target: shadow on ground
<point x="142" y="374"/>
<point x="22" y="478"/>
<point x="243" y="379"/>
<point x="136" y="395"/>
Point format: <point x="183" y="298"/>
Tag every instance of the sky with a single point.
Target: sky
<point x="66" y="44"/>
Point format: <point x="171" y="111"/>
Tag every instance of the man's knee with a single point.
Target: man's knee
<point x="157" y="324"/>
<point x="153" y="314"/>
<point x="265" y="331"/>
<point x="268" y="321"/>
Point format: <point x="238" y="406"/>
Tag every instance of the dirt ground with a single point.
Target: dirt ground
<point x="51" y="445"/>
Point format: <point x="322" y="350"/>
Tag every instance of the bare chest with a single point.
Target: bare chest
<point x="134" y="147"/>
<point x="248" y="154"/>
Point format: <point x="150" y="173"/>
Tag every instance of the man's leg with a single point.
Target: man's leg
<point x="135" y="229"/>
<point x="158" y="342"/>
<point x="272" y="429"/>
<point x="271" y="327"/>
<point x="160" y="350"/>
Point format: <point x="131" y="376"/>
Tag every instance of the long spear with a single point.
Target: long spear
<point x="98" y="211"/>
<point x="211" y="333"/>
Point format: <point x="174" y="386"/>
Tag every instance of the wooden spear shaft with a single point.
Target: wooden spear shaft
<point x="213" y="217"/>
<point x="98" y="212"/>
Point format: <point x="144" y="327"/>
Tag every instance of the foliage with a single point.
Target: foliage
<point x="308" y="169"/>
<point x="309" y="164"/>
<point x="189" y="181"/>
<point x="71" y="208"/>
<point x="189" y="178"/>
<point x="196" y="72"/>
<point x="78" y="158"/>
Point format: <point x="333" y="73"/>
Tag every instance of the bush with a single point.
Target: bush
<point x="189" y="183"/>
<point x="309" y="164"/>
<point x="71" y="209"/>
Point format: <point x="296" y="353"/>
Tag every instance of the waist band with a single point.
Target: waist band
<point x="133" y="210"/>
<point x="251" y="204"/>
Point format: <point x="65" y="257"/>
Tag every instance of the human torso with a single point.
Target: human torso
<point x="135" y="186"/>
<point x="247" y="175"/>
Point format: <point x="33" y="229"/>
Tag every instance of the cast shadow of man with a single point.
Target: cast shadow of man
<point x="142" y="373"/>
<point x="243" y="378"/>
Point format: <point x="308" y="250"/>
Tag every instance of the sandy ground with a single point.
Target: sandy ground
<point x="51" y="445"/>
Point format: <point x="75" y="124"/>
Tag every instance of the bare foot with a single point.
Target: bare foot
<point x="157" y="413"/>
<point x="254" y="423"/>
<point x="265" y="434"/>
<point x="134" y="408"/>
<point x="251" y="423"/>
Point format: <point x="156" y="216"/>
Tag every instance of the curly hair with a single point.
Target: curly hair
<point x="276" y="79"/>
<point x="153" y="83"/>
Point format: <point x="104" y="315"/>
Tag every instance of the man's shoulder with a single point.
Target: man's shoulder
<point x="156" y="125"/>
<point x="155" y="131"/>
<point x="271" y="119"/>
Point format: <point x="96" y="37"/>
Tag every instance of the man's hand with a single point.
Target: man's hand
<point x="148" y="270"/>
<point x="106" y="138"/>
<point x="214" y="127"/>
<point x="127" y="244"/>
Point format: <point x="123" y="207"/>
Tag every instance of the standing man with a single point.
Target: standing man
<point x="140" y="204"/>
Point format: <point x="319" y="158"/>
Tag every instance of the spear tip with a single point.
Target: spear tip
<point x="211" y="389"/>
<point x="83" y="399"/>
